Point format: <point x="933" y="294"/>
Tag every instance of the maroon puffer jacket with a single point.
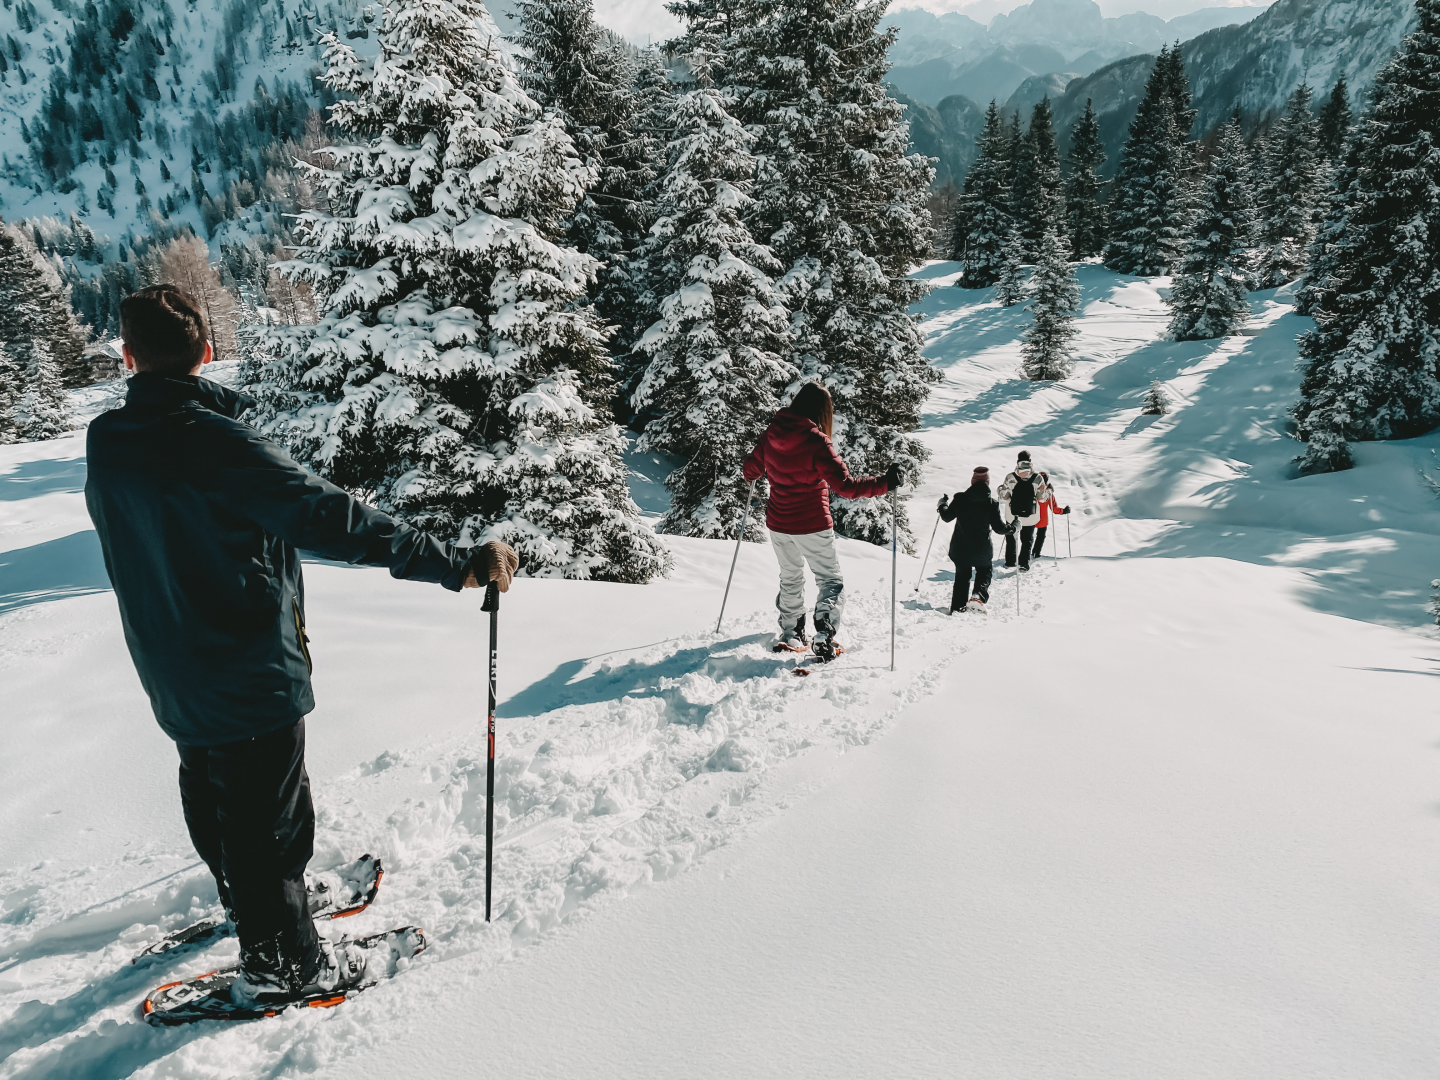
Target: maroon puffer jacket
<point x="803" y="467"/>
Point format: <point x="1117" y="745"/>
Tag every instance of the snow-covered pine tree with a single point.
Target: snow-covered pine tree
<point x="444" y="379"/>
<point x="10" y="383"/>
<point x="578" y="70"/>
<point x="1334" y="121"/>
<point x="1148" y="204"/>
<point x="1010" y="285"/>
<point x="1084" y="211"/>
<point x="1038" y="197"/>
<point x="1294" y="172"/>
<point x="1157" y="400"/>
<point x="1210" y="295"/>
<point x="1328" y="249"/>
<point x="1054" y="294"/>
<point x="719" y="351"/>
<point x="842" y="203"/>
<point x="41" y="409"/>
<point x="1369" y="368"/>
<point x="35" y="306"/>
<point x="982" y="221"/>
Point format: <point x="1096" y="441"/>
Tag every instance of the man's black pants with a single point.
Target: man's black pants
<point x="247" y="805"/>
<point x="1027" y="535"/>
<point x="961" y="595"/>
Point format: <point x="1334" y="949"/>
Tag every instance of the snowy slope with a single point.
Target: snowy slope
<point x="1173" y="818"/>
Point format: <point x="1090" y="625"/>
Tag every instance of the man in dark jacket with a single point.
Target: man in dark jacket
<point x="199" y="519"/>
<point x="976" y="516"/>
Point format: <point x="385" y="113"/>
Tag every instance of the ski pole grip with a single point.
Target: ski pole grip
<point x="492" y="597"/>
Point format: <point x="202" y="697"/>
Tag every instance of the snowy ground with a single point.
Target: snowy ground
<point x="1175" y="817"/>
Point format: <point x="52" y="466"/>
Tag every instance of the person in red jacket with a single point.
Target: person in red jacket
<point x="797" y="457"/>
<point x="1048" y="505"/>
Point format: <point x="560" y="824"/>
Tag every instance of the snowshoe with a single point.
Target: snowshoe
<point x="332" y="894"/>
<point x="976" y="605"/>
<point x="347" y="967"/>
<point x="793" y="639"/>
<point x="831" y="651"/>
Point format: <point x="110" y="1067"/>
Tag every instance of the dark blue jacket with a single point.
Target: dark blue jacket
<point x="199" y="518"/>
<point x="976" y="516"/>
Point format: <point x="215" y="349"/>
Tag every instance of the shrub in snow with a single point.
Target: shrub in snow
<point x="982" y="224"/>
<point x="1369" y="368"/>
<point x="842" y="203"/>
<point x="1054" y="295"/>
<point x="1147" y="207"/>
<point x="1157" y="401"/>
<point x="1435" y="600"/>
<point x="446" y="377"/>
<point x="719" y="354"/>
<point x="1210" y="295"/>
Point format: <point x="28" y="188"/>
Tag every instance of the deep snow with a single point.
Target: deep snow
<point x="1175" y="818"/>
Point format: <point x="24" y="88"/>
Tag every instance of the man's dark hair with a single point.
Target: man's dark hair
<point x="165" y="329"/>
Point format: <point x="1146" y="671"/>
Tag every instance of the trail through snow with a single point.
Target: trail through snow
<point x="1171" y="817"/>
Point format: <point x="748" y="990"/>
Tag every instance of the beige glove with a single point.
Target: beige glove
<point x="501" y="562"/>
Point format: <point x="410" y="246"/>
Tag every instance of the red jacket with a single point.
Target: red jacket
<point x="802" y="467"/>
<point x="1049" y="506"/>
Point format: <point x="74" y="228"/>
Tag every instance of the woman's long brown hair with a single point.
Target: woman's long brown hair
<point x="813" y="402"/>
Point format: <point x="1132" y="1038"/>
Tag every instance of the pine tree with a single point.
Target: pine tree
<point x="1157" y="400"/>
<point x="1010" y="286"/>
<point x="982" y="221"/>
<point x="41" y="409"/>
<point x="1037" y="198"/>
<point x="1209" y="298"/>
<point x="1084" y="211"/>
<point x="841" y="202"/>
<point x="1054" y="294"/>
<point x="1148" y="208"/>
<point x="441" y="379"/>
<point x="35" y="306"/>
<point x="718" y="353"/>
<point x="1369" y="368"/>
<point x="1294" y="171"/>
<point x="10" y="387"/>
<point x="1334" y="121"/>
<point x="579" y="70"/>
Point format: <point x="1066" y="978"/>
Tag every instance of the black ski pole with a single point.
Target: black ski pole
<point x="750" y="498"/>
<point x="894" y="566"/>
<point x="926" y="561"/>
<point x="492" y="605"/>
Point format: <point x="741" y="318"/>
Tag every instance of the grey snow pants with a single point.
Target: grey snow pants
<point x="818" y="549"/>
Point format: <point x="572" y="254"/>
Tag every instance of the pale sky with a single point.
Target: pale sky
<point x="642" y="20"/>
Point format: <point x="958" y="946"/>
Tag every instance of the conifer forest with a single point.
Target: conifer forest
<point x="465" y="267"/>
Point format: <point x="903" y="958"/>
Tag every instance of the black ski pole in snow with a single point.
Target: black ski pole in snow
<point x="894" y="567"/>
<point x="750" y="498"/>
<point x="925" y="561"/>
<point x="492" y="605"/>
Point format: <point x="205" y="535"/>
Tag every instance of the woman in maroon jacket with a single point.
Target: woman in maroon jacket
<point x="796" y="455"/>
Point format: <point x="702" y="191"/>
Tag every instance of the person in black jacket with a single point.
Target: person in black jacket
<point x="199" y="519"/>
<point x="976" y="516"/>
